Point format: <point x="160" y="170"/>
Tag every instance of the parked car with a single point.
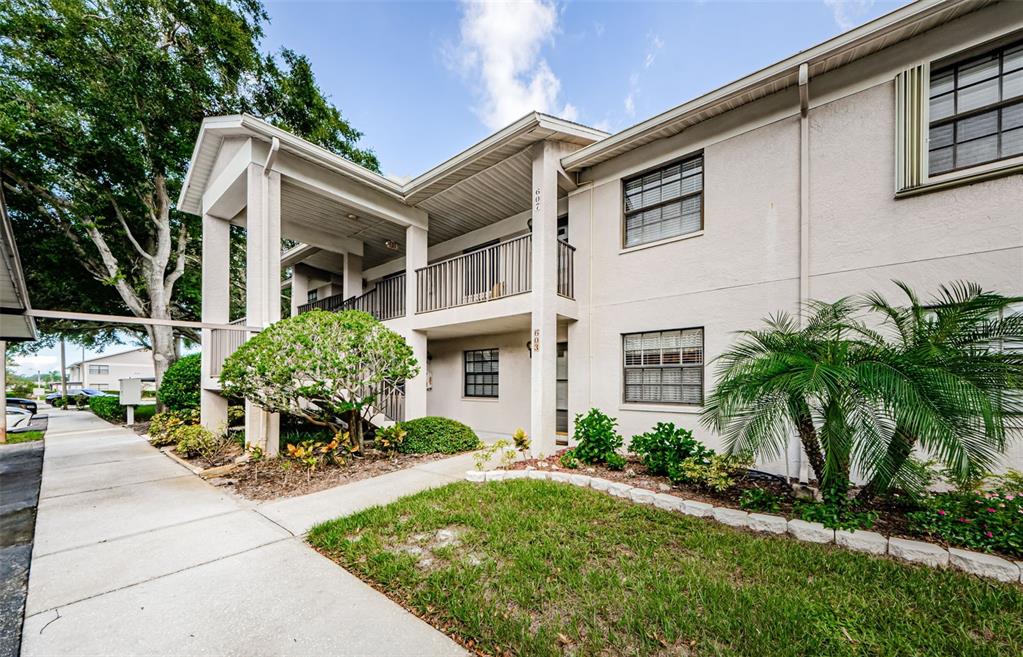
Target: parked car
<point x="28" y="404"/>
<point x="17" y="417"/>
<point x="74" y="392"/>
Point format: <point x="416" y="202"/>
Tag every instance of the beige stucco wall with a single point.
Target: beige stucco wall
<point x="745" y="264"/>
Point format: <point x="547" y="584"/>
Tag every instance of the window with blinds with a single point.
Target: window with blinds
<point x="664" y="367"/>
<point x="664" y="203"/>
<point x="976" y="110"/>
<point x="481" y="372"/>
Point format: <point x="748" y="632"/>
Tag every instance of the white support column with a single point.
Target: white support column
<point x="216" y="308"/>
<point x="352" y="274"/>
<point x="299" y="287"/>
<point x="263" y="284"/>
<point x="415" y="257"/>
<point x="544" y="334"/>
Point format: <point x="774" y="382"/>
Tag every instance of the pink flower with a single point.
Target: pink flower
<point x="942" y="512"/>
<point x="990" y="510"/>
<point x="988" y="534"/>
<point x="1010" y="497"/>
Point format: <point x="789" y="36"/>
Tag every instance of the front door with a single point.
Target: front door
<point x="561" y="390"/>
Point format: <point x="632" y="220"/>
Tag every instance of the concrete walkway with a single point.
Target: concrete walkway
<point x="20" y="469"/>
<point x="134" y="555"/>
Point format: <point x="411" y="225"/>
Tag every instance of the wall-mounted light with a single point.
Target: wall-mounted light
<point x="392" y="245"/>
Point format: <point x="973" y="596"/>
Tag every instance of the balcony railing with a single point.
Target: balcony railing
<point x="385" y="301"/>
<point x="566" y="270"/>
<point x="225" y="342"/>
<point x="494" y="272"/>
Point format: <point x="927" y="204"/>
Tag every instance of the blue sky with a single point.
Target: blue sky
<point x="425" y="80"/>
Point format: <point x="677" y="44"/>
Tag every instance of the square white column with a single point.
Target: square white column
<point x="544" y="320"/>
<point x="299" y="287"/>
<point x="415" y="258"/>
<point x="352" y="275"/>
<point x="216" y="308"/>
<point x="263" y="284"/>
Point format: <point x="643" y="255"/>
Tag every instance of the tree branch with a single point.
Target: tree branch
<point x="131" y="238"/>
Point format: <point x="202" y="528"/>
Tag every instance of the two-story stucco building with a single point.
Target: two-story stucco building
<point x="104" y="372"/>
<point x="552" y="268"/>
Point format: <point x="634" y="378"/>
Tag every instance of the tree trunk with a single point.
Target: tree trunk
<point x="165" y="351"/>
<point x="899" y="449"/>
<point x="808" y="438"/>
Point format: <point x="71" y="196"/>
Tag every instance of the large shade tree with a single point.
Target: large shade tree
<point x="100" y="105"/>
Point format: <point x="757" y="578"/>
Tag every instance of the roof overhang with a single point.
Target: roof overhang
<point x="529" y="129"/>
<point x="855" y="44"/>
<point x="15" y="325"/>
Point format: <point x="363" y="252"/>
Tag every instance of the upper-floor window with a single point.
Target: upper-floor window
<point x="99" y="369"/>
<point x="976" y="110"/>
<point x="663" y="203"/>
<point x="311" y="295"/>
<point x="664" y="367"/>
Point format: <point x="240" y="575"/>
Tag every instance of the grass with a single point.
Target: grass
<point x="550" y="569"/>
<point x="24" y="437"/>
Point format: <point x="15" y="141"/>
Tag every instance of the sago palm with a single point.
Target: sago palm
<point x="948" y="375"/>
<point x="786" y="379"/>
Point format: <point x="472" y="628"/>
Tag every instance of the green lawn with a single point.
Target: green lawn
<point x="24" y="437"/>
<point x="549" y="569"/>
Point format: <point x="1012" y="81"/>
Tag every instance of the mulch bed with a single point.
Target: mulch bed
<point x="283" y="477"/>
<point x="891" y="520"/>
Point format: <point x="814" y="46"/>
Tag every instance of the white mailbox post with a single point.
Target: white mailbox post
<point x="131" y="396"/>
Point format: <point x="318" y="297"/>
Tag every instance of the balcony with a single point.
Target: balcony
<point x="385" y="301"/>
<point x="495" y="272"/>
<point x="224" y="343"/>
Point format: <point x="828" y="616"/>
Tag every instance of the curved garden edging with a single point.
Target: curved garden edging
<point x="917" y="552"/>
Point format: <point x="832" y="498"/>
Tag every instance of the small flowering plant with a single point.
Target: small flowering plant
<point x="980" y="520"/>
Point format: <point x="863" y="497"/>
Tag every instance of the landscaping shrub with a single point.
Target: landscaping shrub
<point x="109" y="408"/>
<point x="758" y="499"/>
<point x="717" y="472"/>
<point x="163" y="427"/>
<point x="665" y="446"/>
<point x="836" y="514"/>
<point x="568" y="459"/>
<point x="982" y="520"/>
<point x="194" y="440"/>
<point x="437" y="435"/>
<point x="389" y="439"/>
<point x="179" y="389"/>
<point x="597" y="437"/>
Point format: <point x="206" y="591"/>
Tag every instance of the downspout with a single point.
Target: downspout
<point x="802" y="467"/>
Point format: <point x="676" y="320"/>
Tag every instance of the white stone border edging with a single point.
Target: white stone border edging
<point x="917" y="552"/>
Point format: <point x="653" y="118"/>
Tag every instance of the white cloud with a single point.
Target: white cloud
<point x="630" y="105"/>
<point x="849" y="13"/>
<point x="604" y="125"/>
<point x="27" y="364"/>
<point x="652" y="48"/>
<point x="500" y="47"/>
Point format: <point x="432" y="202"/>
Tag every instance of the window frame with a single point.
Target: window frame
<point x="466" y="373"/>
<point x="664" y="165"/>
<point x="702" y="367"/>
<point x="312" y="295"/>
<point x="99" y="370"/>
<point x="953" y="64"/>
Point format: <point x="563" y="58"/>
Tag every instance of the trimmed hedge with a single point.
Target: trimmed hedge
<point x="437" y="435"/>
<point x="179" y="389"/>
<point x="109" y="408"/>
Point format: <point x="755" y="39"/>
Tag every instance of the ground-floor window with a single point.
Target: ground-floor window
<point x="481" y="373"/>
<point x="663" y="367"/>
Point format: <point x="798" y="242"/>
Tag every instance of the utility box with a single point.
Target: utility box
<point x="131" y="392"/>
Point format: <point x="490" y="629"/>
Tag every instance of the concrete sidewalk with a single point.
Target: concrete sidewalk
<point x="134" y="555"/>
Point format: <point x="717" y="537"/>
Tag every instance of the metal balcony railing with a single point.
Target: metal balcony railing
<point x="493" y="272"/>
<point x="385" y="301"/>
<point x="225" y="342"/>
<point x="566" y="270"/>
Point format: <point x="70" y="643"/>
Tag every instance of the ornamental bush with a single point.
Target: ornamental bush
<point x="164" y="426"/>
<point x="980" y="520"/>
<point x="598" y="438"/>
<point x="179" y="389"/>
<point x="109" y="408"/>
<point x="665" y="446"/>
<point x="437" y="435"/>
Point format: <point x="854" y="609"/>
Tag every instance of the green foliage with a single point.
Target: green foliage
<point x="179" y="389"/>
<point x="235" y="416"/>
<point x="101" y="104"/>
<point x="163" y="426"/>
<point x="314" y="453"/>
<point x="615" y="461"/>
<point x="568" y="459"/>
<point x="24" y="437"/>
<point x="981" y="520"/>
<point x="438" y="435"/>
<point x="597" y="437"/>
<point x="194" y="440"/>
<point x="521" y="440"/>
<point x="666" y="445"/>
<point x="862" y="399"/>
<point x="836" y="510"/>
<point x="758" y="499"/>
<point x="389" y="439"/>
<point x="109" y="408"/>
<point x="323" y="367"/>
<point x="716" y="472"/>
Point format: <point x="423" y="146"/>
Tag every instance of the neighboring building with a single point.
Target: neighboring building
<point x="105" y="372"/>
<point x="551" y="268"/>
